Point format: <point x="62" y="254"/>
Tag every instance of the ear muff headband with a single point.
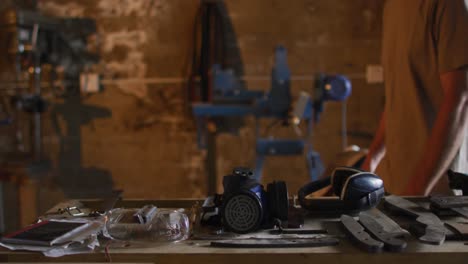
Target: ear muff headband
<point x="346" y="169"/>
<point x="339" y="176"/>
<point x="312" y="187"/>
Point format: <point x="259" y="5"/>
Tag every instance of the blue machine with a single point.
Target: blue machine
<point x="229" y="100"/>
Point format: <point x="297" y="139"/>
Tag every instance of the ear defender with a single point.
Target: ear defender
<point x="356" y="190"/>
<point x="278" y="202"/>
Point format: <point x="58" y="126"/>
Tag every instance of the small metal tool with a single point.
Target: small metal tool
<point x="71" y="210"/>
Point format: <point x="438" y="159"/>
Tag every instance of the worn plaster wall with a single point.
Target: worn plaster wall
<point x="146" y="143"/>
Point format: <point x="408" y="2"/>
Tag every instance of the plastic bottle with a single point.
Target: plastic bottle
<point x="165" y="225"/>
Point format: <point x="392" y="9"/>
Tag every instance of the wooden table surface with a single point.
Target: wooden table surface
<point x="199" y="251"/>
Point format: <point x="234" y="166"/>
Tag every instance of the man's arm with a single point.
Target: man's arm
<point x="446" y="136"/>
<point x="377" y="148"/>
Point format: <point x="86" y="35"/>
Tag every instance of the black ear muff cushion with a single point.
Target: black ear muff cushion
<point x="278" y="200"/>
<point x="360" y="185"/>
<point x="339" y="176"/>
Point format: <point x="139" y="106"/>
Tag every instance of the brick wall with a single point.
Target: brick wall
<point x="147" y="146"/>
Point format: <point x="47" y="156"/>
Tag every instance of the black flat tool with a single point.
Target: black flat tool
<point x="448" y="202"/>
<point x="276" y="243"/>
<point x="450" y="205"/>
<point x="432" y="231"/>
<point x="388" y="224"/>
<point x="298" y="231"/>
<point x="357" y="233"/>
<point x="378" y="230"/>
<point x="459" y="229"/>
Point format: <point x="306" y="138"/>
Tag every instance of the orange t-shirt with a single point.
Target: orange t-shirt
<point x="421" y="39"/>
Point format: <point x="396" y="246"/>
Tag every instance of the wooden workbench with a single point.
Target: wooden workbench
<point x="192" y="251"/>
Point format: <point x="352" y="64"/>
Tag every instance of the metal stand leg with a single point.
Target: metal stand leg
<point x="259" y="167"/>
<point x="315" y="165"/>
<point x="211" y="162"/>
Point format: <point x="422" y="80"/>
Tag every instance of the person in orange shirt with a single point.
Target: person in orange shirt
<point x="423" y="129"/>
